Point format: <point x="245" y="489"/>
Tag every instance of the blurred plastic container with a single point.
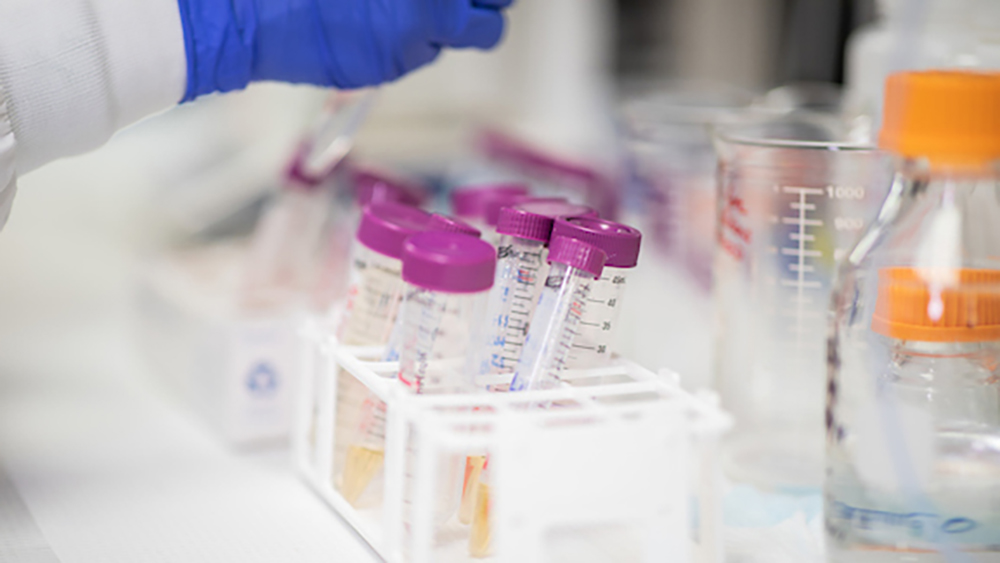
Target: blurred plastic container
<point x="671" y="166"/>
<point x="913" y="400"/>
<point x="234" y="367"/>
<point x="795" y="198"/>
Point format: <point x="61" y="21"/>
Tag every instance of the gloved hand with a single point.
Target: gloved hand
<point x="342" y="43"/>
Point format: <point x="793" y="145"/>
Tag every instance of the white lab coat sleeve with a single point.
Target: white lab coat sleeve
<point x="8" y="183"/>
<point x="72" y="72"/>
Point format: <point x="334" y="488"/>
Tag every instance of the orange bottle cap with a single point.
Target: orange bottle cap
<point x="968" y="311"/>
<point x="949" y="117"/>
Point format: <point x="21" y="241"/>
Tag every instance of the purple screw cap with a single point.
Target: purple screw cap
<point x="384" y="226"/>
<point x="373" y="187"/>
<point x="620" y="242"/>
<point x="533" y="219"/>
<point x="471" y="201"/>
<point x="449" y="262"/>
<point x="496" y="205"/>
<point x="448" y="224"/>
<point x="577" y="254"/>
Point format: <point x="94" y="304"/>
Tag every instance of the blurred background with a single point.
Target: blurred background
<point x="81" y="227"/>
<point x="571" y="79"/>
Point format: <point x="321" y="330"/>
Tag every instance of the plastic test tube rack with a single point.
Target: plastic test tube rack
<point x="605" y="474"/>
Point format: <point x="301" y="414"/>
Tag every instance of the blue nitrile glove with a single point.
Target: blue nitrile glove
<point x="342" y="43"/>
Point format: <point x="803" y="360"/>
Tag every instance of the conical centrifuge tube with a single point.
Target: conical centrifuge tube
<point x="575" y="265"/>
<point x="447" y="277"/>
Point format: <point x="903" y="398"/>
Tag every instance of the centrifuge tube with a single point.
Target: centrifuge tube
<point x="525" y="229"/>
<point x="575" y="267"/>
<point x="595" y="340"/>
<point x="447" y="278"/>
<point x="285" y="239"/>
<point x="471" y="204"/>
<point x="363" y="187"/>
<point x="375" y="288"/>
<point x="290" y="229"/>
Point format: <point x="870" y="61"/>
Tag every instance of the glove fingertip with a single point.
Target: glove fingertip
<point x="484" y="30"/>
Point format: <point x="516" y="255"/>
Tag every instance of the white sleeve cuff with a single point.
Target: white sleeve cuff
<point x="76" y="71"/>
<point x="8" y="179"/>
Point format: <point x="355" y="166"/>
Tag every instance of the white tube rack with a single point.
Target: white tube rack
<point x="607" y="473"/>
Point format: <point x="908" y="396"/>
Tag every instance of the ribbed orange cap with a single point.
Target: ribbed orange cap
<point x="970" y="313"/>
<point x="949" y="117"/>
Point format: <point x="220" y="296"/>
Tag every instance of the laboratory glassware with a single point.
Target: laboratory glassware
<point x="470" y="203"/>
<point x="793" y="200"/>
<point x="375" y="288"/>
<point x="913" y="397"/>
<point x="447" y="278"/>
<point x="670" y="166"/>
<point x="525" y="229"/>
<point x="575" y="266"/>
<point x="594" y="345"/>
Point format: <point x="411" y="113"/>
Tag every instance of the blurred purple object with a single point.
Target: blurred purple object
<point x="598" y="190"/>
<point x="471" y="202"/>
<point x="448" y="224"/>
<point x="376" y="187"/>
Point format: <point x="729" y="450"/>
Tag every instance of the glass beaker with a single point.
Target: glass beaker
<point x="671" y="166"/>
<point x="793" y="198"/>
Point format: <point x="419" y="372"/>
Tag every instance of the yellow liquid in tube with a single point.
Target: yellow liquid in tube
<point x="479" y="537"/>
<point x="470" y="487"/>
<point x="360" y="467"/>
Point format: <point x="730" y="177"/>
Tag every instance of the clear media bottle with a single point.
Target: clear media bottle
<point x="575" y="266"/>
<point x="448" y="276"/>
<point x="594" y="345"/>
<point x="525" y="230"/>
<point x="913" y="396"/>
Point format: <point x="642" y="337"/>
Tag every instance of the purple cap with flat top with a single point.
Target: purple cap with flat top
<point x="577" y="254"/>
<point x="533" y="219"/>
<point x="384" y="226"/>
<point x="472" y="201"/>
<point x="620" y="242"/>
<point x="449" y="262"/>
<point x="448" y="224"/>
